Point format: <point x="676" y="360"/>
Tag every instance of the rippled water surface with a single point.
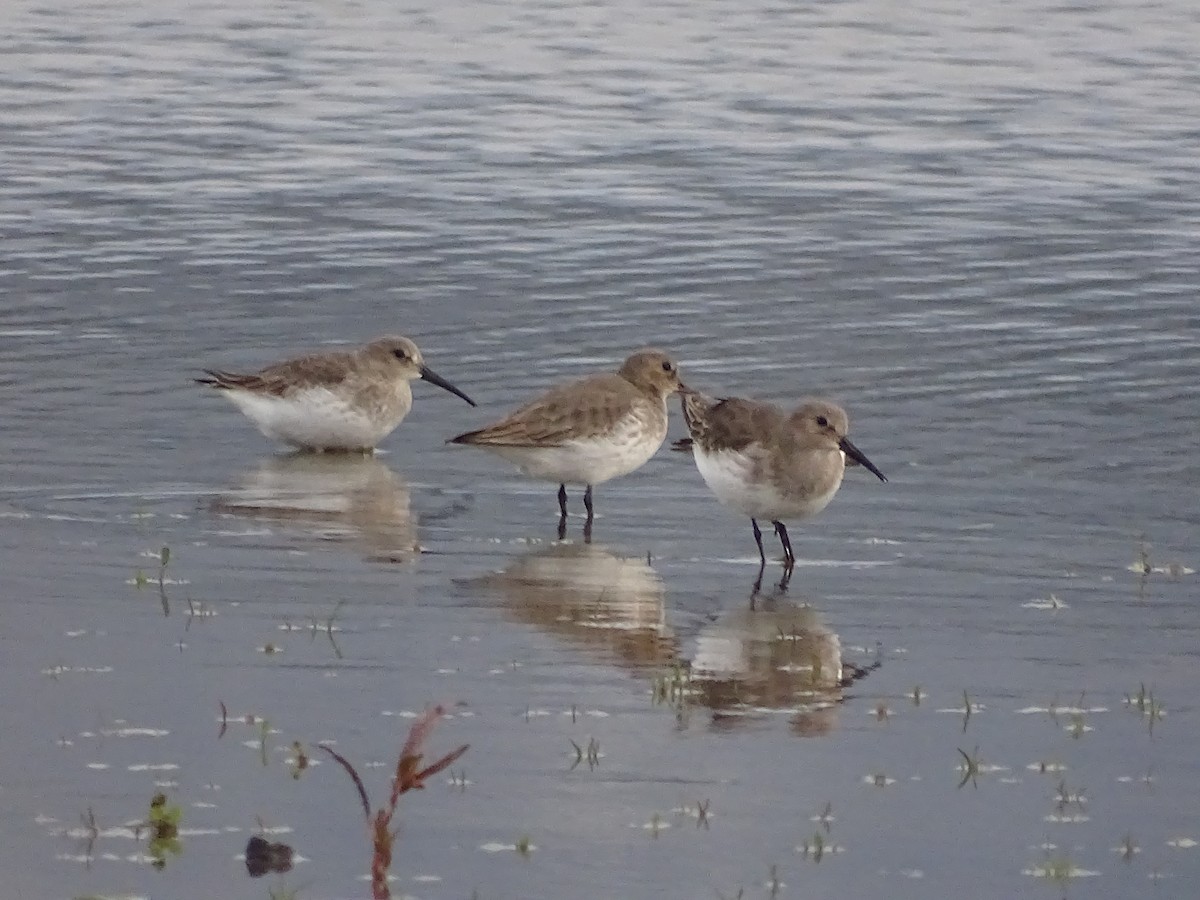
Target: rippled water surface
<point x="974" y="226"/>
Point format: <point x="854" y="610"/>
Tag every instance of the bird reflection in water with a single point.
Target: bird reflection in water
<point x="584" y="594"/>
<point x="774" y="656"/>
<point x="352" y="498"/>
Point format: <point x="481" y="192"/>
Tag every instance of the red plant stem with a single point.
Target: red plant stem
<point x="381" y="857"/>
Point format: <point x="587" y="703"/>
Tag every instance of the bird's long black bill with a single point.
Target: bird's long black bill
<point x="434" y="378"/>
<point x="861" y="458"/>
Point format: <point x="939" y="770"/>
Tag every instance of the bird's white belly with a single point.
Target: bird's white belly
<point x="588" y="460"/>
<point x="732" y="478"/>
<point x="316" y="419"/>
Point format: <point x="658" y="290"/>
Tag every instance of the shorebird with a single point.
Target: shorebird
<point x="588" y="431"/>
<point x="768" y="464"/>
<point x="337" y="401"/>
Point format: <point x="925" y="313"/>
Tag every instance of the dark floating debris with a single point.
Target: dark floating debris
<point x="263" y="857"/>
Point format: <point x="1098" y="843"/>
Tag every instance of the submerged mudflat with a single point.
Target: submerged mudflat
<point x="979" y="681"/>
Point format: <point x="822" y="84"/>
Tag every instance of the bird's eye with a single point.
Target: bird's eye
<point x="399" y="353"/>
<point x="822" y="421"/>
<point x="667" y="367"/>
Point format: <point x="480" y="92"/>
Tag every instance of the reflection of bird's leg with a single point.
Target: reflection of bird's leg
<point x="789" y="558"/>
<point x="787" y="577"/>
<point x="587" y="504"/>
<point x="754" y="591"/>
<point x="562" y="508"/>
<point x="758" y="540"/>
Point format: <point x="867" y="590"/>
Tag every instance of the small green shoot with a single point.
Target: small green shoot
<point x="1139" y="699"/>
<point x="1154" y="713"/>
<point x="970" y="767"/>
<point x="1142" y="564"/>
<point x="825" y="817"/>
<point x="1065" y="797"/>
<point x="328" y="627"/>
<point x="1128" y="848"/>
<point x="163" y="826"/>
<point x="774" y="884"/>
<point x="92" y="829"/>
<point x="814" y="847"/>
<point x="1145" y="703"/>
<point x="1079" y="725"/>
<point x="141" y="579"/>
<point x="299" y="760"/>
<point x="89" y="822"/>
<point x="264" y="730"/>
<point x="1058" y="868"/>
<point x="674" y="687"/>
<point x="524" y="846"/>
<point x="591" y="753"/>
<point x="656" y="825"/>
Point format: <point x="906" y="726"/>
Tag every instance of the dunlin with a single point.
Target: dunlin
<point x="341" y="400"/>
<point x="768" y="464"/>
<point x="588" y="431"/>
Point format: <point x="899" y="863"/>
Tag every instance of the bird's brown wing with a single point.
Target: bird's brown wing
<point x="280" y="379"/>
<point x="729" y="424"/>
<point x="582" y="409"/>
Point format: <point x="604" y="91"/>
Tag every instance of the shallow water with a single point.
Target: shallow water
<point x="975" y="229"/>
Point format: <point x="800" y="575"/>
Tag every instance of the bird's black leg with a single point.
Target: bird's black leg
<point x="789" y="558"/>
<point x="562" y="508"/>
<point x="587" y="504"/>
<point x="762" y="562"/>
<point x="758" y="540"/>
